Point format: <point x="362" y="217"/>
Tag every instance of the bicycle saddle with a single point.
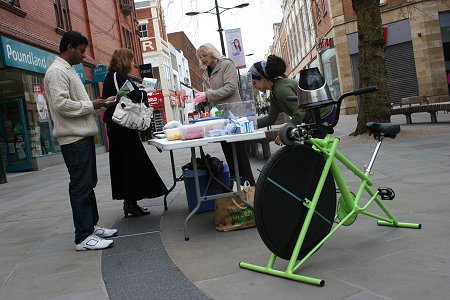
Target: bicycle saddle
<point x="386" y="129"/>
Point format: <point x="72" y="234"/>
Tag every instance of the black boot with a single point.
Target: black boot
<point x="131" y="207"/>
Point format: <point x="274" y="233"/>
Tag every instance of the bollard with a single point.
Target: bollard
<point x="2" y="170"/>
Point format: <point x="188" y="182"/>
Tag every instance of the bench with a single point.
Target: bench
<point x="417" y="104"/>
<point x="271" y="134"/>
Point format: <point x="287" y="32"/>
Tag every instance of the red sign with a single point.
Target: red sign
<point x="323" y="43"/>
<point x="173" y="98"/>
<point x="155" y="99"/>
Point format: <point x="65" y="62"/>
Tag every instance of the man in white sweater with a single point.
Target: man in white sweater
<point x="74" y="126"/>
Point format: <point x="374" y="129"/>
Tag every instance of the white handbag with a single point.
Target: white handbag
<point x="132" y="115"/>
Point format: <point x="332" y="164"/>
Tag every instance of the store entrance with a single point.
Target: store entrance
<point x="14" y="140"/>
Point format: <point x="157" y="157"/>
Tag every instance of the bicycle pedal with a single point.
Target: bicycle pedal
<point x="386" y="193"/>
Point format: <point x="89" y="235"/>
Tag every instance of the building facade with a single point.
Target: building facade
<point x="182" y="93"/>
<point x="323" y="33"/>
<point x="30" y="32"/>
<point x="181" y="42"/>
<point x="155" y="51"/>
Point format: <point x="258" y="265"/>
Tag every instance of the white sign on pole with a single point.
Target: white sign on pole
<point x="235" y="47"/>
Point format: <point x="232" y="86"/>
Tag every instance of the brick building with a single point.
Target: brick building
<point x="30" y="31"/>
<point x="155" y="52"/>
<point x="323" y="34"/>
<point x="182" y="43"/>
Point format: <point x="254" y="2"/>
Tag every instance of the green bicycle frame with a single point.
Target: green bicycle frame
<point x="329" y="148"/>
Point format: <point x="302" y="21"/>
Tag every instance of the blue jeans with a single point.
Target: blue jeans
<point x="81" y="163"/>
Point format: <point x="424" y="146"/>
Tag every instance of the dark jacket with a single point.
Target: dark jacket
<point x="109" y="89"/>
<point x="282" y="88"/>
<point x="133" y="176"/>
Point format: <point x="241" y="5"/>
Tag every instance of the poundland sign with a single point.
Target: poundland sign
<point x="18" y="55"/>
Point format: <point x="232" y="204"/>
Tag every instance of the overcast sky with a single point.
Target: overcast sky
<point x="256" y="23"/>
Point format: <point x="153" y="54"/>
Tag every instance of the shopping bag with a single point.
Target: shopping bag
<point x="233" y="214"/>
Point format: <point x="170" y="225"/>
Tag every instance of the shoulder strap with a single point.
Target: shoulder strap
<point x="115" y="81"/>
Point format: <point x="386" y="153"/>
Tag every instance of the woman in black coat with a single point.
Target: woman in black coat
<point x="133" y="176"/>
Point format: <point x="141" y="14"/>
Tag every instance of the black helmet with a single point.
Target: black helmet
<point x="312" y="89"/>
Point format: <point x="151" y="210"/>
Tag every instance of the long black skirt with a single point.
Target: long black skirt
<point x="133" y="176"/>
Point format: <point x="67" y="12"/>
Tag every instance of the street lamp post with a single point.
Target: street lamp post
<point x="217" y="13"/>
<point x="220" y="27"/>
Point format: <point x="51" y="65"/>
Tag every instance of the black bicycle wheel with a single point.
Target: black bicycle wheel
<point x="290" y="176"/>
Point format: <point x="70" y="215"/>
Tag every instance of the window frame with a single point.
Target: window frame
<point x="318" y="11"/>
<point x="62" y="16"/>
<point x="127" y="38"/>
<point x="13" y="6"/>
<point x="324" y="8"/>
<point x="141" y="32"/>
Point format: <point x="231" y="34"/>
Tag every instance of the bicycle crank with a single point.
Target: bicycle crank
<point x="343" y="210"/>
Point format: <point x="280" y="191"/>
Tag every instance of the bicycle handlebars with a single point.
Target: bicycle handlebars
<point x="290" y="132"/>
<point x="366" y="90"/>
<point x="369" y="89"/>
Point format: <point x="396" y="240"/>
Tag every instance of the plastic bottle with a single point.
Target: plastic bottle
<point x="213" y="111"/>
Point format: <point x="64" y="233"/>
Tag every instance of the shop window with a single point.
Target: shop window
<point x="38" y="119"/>
<point x="62" y="16"/>
<point x="38" y="116"/>
<point x="330" y="72"/>
<point x="92" y="92"/>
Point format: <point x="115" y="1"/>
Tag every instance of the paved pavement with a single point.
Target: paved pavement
<point x="151" y="260"/>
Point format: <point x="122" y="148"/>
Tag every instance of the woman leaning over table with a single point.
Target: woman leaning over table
<point x="220" y="84"/>
<point x="268" y="75"/>
<point x="133" y="176"/>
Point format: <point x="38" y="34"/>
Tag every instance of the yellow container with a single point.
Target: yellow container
<point x="172" y="134"/>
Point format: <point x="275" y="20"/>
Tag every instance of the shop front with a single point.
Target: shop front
<point x="327" y="51"/>
<point x="26" y="139"/>
<point x="156" y="100"/>
<point x="400" y="64"/>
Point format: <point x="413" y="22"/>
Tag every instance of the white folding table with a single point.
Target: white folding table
<point x="166" y="145"/>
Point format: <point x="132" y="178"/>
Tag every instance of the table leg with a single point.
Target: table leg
<point x="175" y="179"/>
<point x="197" y="192"/>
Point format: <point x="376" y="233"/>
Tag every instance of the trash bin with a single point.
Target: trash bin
<point x="203" y="178"/>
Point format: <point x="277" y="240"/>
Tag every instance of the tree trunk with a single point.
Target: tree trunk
<point x="374" y="107"/>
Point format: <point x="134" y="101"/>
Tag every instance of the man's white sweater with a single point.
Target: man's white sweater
<point x="71" y="109"/>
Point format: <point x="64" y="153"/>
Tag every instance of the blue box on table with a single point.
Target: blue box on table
<point x="203" y="178"/>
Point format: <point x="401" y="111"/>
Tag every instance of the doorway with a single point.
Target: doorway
<point x="14" y="140"/>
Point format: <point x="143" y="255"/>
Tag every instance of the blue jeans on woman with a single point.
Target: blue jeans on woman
<point x="81" y="163"/>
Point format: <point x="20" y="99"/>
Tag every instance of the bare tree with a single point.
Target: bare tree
<point x="376" y="106"/>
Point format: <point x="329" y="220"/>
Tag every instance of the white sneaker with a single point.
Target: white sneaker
<point x="94" y="242"/>
<point x="104" y="232"/>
